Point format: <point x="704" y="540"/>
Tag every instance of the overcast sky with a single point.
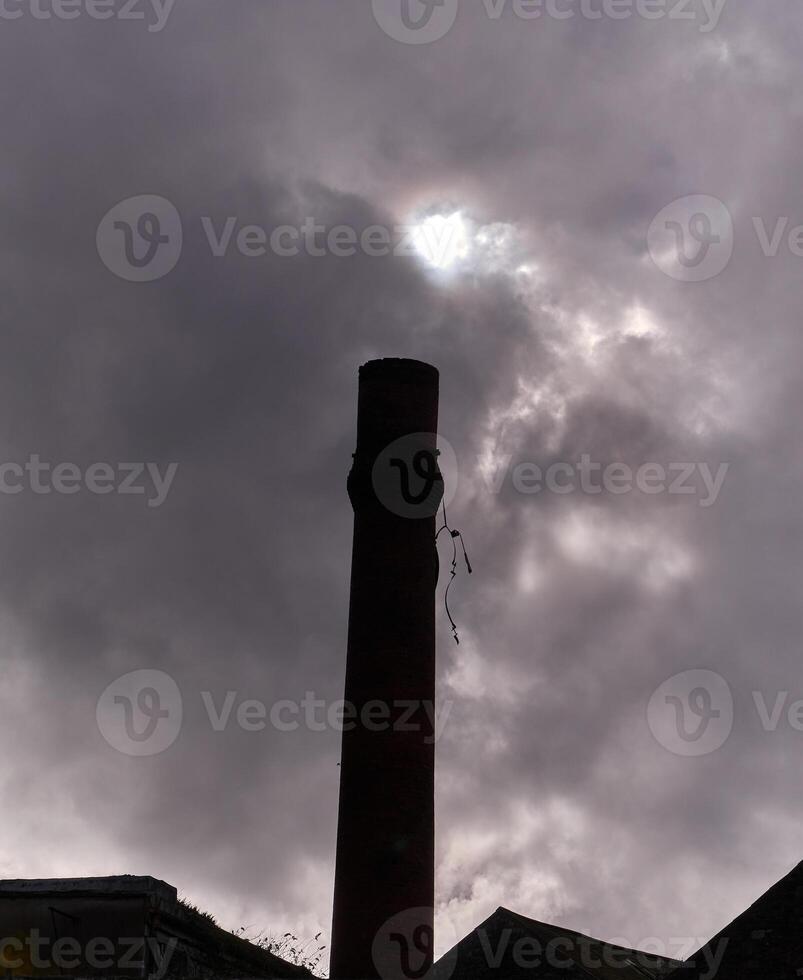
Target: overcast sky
<point x="566" y="323"/>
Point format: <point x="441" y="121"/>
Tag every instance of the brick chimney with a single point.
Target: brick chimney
<point x="384" y="879"/>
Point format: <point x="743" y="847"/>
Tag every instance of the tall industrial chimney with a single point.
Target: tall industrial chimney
<point x="384" y="879"/>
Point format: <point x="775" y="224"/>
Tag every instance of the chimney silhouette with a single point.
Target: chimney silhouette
<point x="385" y="869"/>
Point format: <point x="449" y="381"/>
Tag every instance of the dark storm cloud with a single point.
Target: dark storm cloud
<point x="554" y="797"/>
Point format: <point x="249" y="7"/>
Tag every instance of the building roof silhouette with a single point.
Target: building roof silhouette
<point x="763" y="943"/>
<point x="510" y="946"/>
<point x="121" y="926"/>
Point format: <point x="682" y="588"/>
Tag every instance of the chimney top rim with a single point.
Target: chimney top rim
<point x="398" y="368"/>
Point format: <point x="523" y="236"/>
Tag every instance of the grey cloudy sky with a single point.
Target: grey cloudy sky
<point x="561" y="329"/>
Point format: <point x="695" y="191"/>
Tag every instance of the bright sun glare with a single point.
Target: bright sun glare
<point x="443" y="240"/>
<point x="449" y="242"/>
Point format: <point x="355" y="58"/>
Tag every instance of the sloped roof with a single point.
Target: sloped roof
<point x="763" y="943"/>
<point x="508" y="946"/>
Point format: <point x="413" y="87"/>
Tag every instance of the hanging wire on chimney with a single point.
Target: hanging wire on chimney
<point x="455" y="536"/>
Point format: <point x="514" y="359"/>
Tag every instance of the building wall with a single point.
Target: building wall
<point x="124" y="927"/>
